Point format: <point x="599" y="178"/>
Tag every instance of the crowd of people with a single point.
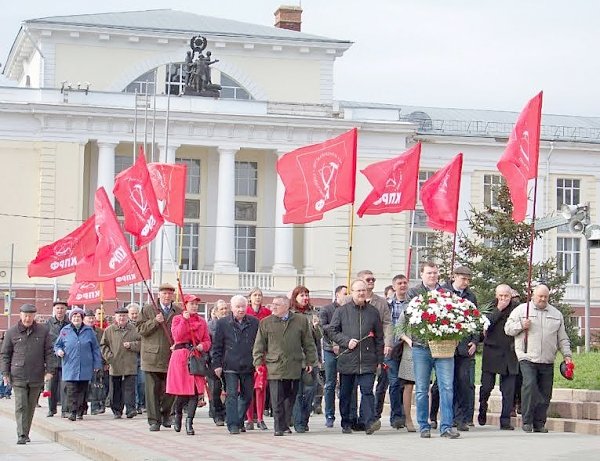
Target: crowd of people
<point x="284" y="358"/>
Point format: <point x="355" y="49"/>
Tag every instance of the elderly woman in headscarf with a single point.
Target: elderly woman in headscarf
<point x="78" y="347"/>
<point x="190" y="334"/>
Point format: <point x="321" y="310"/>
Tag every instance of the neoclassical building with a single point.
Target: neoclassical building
<point x="81" y="93"/>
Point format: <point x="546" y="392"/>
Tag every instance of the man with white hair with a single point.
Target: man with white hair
<point x="232" y="360"/>
<point x="539" y="333"/>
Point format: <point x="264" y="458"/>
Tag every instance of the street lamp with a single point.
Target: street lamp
<point x="579" y="222"/>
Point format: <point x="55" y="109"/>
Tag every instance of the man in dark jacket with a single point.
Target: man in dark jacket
<point x="27" y="360"/>
<point x="499" y="358"/>
<point x="232" y="360"/>
<point x="358" y="329"/>
<point x="330" y="351"/>
<point x="57" y="385"/>
<point x="464" y="357"/>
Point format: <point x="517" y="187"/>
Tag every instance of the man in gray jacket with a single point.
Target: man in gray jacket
<point x="543" y="331"/>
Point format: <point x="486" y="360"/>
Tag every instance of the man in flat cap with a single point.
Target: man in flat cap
<point x="154" y="326"/>
<point x="58" y="393"/>
<point x="464" y="357"/>
<point x="26" y="361"/>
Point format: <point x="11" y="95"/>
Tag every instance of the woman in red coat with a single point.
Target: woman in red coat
<point x="256" y="309"/>
<point x="189" y="330"/>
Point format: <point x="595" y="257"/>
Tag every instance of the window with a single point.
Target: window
<point x="143" y="83"/>
<point x="568" y="257"/>
<point x="420" y="242"/>
<point x="491" y="186"/>
<point x="567" y="192"/>
<point x="232" y="89"/>
<point x="246" y="214"/>
<point x="191" y="227"/>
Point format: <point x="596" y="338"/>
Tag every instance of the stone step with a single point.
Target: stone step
<point x="560" y="409"/>
<point x="577" y="395"/>
<point x="579" y="426"/>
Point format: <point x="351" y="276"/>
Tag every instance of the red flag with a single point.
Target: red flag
<point x="439" y="195"/>
<point x="318" y="178"/>
<point x="113" y="256"/>
<point x="61" y="257"/>
<point x="394" y="184"/>
<point x="91" y="292"/>
<point x="133" y="274"/>
<point x="168" y="181"/>
<point x="133" y="189"/>
<point x="519" y="162"/>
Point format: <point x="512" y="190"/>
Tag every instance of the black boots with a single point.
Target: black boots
<point x="177" y="422"/>
<point x="189" y="429"/>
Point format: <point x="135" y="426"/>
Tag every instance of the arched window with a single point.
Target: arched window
<point x="174" y="76"/>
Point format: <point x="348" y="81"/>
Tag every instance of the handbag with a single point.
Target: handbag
<point x="196" y="363"/>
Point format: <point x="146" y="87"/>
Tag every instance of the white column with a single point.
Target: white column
<point x="106" y="168"/>
<point x="225" y="235"/>
<point x="165" y="245"/>
<point x="284" y="235"/>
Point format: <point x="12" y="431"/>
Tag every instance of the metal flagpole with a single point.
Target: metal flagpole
<point x="410" y="243"/>
<point x="162" y="234"/>
<point x="10" y="282"/>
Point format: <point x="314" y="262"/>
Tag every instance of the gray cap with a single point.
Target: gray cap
<point x="463" y="270"/>
<point x="28" y="309"/>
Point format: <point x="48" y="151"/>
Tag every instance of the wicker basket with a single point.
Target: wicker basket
<point x="442" y="349"/>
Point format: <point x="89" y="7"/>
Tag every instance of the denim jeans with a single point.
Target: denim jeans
<point x="237" y="401"/>
<point x="423" y="363"/>
<point x="303" y="403"/>
<point x="140" y="395"/>
<point x="330" y="383"/>
<point x="396" y="389"/>
<point x="348" y="383"/>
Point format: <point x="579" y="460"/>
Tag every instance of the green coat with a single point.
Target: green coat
<point x="122" y="361"/>
<point x="156" y="345"/>
<point x="283" y="344"/>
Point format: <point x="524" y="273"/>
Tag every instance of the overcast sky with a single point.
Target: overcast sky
<point x="485" y="54"/>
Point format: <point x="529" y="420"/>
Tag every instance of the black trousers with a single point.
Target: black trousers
<point x="158" y="402"/>
<point x="536" y="392"/>
<point x="381" y="388"/>
<point x="122" y="394"/>
<point x="216" y="406"/>
<point x="189" y="402"/>
<point x="76" y="396"/>
<point x="463" y="389"/>
<point x="283" y="395"/>
<point x="507" y="388"/>
<point x="58" y="392"/>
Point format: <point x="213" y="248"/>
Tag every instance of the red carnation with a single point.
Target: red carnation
<point x="458" y="326"/>
<point x="449" y="306"/>
<point x="432" y="301"/>
<point x="476" y="313"/>
<point x="47" y="394"/>
<point x="371" y="334"/>
<point x="432" y="318"/>
<point x="445" y="322"/>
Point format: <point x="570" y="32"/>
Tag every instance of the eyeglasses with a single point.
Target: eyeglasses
<point x="370" y="279"/>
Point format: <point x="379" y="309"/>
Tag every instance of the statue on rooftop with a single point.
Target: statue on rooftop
<point x="197" y="70"/>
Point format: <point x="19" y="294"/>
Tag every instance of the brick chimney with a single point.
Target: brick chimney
<point x="289" y="17"/>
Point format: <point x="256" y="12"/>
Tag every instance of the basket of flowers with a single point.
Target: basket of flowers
<point x="442" y="318"/>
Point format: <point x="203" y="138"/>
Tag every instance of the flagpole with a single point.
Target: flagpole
<point x="530" y="268"/>
<point x="350" y="241"/>
<point x="410" y="240"/>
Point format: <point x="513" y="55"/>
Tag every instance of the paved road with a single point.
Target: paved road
<point x="103" y="438"/>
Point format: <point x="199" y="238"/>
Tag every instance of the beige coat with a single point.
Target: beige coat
<point x="156" y="344"/>
<point x="546" y="333"/>
<point x="122" y="361"/>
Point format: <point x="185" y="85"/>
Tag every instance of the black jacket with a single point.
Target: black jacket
<point x="352" y="321"/>
<point x="462" y="350"/>
<point x="325" y="316"/>
<point x="499" y="348"/>
<point x="232" y="344"/>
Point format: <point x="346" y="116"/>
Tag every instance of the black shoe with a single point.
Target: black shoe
<point x="166" y="422"/>
<point x="433" y="424"/>
<point x="541" y="429"/>
<point x="375" y="426"/>
<point x="278" y="434"/>
<point x="95" y="412"/>
<point x="220" y="422"/>
<point x="79" y="417"/>
<point x="72" y="417"/>
<point x="346" y="430"/>
<point x="288" y="431"/>
<point x="242" y="428"/>
<point x="117" y="416"/>
<point x="27" y="439"/>
<point x="177" y="423"/>
<point x="155" y="427"/>
<point x="426" y="434"/>
<point x="318" y="410"/>
<point x="50" y="414"/>
<point x="482" y="418"/>
<point x="21" y="440"/>
<point x="451" y="434"/>
<point x="463" y="427"/>
<point x="189" y="428"/>
<point x="131" y="414"/>
<point x="249" y="426"/>
<point x="139" y="410"/>
<point x="358" y="427"/>
<point x="507" y="427"/>
<point x="262" y="426"/>
<point x="527" y="428"/>
<point x="398" y="424"/>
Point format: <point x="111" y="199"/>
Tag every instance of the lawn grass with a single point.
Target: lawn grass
<point x="587" y="372"/>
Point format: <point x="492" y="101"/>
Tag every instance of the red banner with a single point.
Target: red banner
<point x="439" y="195"/>
<point x="318" y="178"/>
<point x="113" y="256"/>
<point x="169" y="182"/>
<point x="61" y="257"/>
<point x="394" y="184"/>
<point x="91" y="292"/>
<point x="133" y="274"/>
<point x="519" y="162"/>
<point x="133" y="189"/>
